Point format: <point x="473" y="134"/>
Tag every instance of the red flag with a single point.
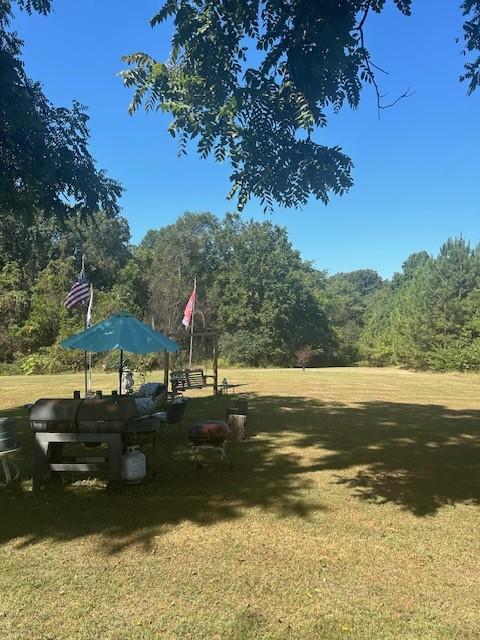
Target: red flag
<point x="188" y="313"/>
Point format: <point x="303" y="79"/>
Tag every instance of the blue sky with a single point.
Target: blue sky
<point x="416" y="170"/>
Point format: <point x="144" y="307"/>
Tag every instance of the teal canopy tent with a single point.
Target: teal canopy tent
<point x="120" y="331"/>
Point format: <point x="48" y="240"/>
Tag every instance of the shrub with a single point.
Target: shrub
<point x="10" y="368"/>
<point x="52" y="359"/>
<point x="461" y="355"/>
<point x="144" y="362"/>
<point x="252" y="349"/>
<point x="304" y="355"/>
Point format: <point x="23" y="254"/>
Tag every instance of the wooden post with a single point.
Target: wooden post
<point x="166" y="367"/>
<point x="215" y="365"/>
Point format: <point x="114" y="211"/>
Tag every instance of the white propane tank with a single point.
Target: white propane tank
<point x="127" y="382"/>
<point x="134" y="465"/>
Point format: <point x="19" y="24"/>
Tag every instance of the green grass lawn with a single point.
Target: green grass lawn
<point x="351" y="512"/>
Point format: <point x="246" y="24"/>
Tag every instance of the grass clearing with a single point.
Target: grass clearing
<point x="352" y="513"/>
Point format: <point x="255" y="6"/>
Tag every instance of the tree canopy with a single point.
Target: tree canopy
<point x="45" y="164"/>
<point x="267" y="305"/>
<point x="264" y="297"/>
<point x="172" y="257"/>
<point x="348" y="295"/>
<point x="253" y="81"/>
<point x="428" y="316"/>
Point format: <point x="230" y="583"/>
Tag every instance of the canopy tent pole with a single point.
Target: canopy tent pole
<point x="85" y="366"/>
<point x="120" y="371"/>
<point x="89" y="385"/>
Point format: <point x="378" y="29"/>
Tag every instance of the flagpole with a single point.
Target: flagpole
<point x="191" y="324"/>
<point x="88" y="324"/>
<point x="85" y="356"/>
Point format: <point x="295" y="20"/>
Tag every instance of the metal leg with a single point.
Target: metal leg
<point x="56" y="452"/>
<point x="16" y="471"/>
<point x="196" y="459"/>
<point x="9" y="467"/>
<point x="223" y="454"/>
<point x="6" y="471"/>
<point x="115" y="456"/>
<point x="155" y="454"/>
<point x="40" y="458"/>
<point x="221" y="450"/>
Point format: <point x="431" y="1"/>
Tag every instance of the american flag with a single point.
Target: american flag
<point x="79" y="292"/>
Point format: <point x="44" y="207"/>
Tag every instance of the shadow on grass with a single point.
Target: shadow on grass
<point x="420" y="457"/>
<point x="263" y="476"/>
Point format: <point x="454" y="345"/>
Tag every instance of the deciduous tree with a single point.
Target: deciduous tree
<point x="44" y="159"/>
<point x="254" y="81"/>
<point x="172" y="257"/>
<point x="265" y="298"/>
<point x="348" y="296"/>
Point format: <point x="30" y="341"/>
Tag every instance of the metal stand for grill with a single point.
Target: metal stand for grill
<point x="209" y="435"/>
<point x="100" y="420"/>
<point x="220" y="448"/>
<point x="49" y="455"/>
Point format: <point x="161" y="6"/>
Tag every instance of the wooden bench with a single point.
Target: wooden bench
<point x="189" y="379"/>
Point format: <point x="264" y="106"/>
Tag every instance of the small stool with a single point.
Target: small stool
<point x="6" y="464"/>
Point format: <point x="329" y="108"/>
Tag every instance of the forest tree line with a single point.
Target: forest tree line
<point x="268" y="305"/>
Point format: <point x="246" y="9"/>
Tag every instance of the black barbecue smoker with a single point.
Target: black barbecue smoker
<point x="89" y="421"/>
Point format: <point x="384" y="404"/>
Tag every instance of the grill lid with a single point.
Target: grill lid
<point x="115" y="409"/>
<point x="118" y="409"/>
<point x="55" y="410"/>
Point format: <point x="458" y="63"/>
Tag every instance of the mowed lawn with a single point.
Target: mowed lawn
<point x="353" y="511"/>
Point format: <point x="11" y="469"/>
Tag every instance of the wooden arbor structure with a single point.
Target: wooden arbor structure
<point x="201" y="334"/>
